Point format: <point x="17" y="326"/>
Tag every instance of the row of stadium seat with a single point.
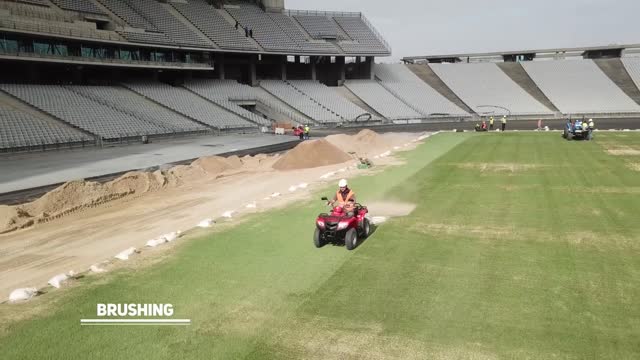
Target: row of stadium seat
<point x="20" y="129"/>
<point x="168" y="23"/>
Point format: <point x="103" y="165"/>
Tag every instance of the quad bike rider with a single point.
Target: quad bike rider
<point x="345" y="197"/>
<point x="347" y="221"/>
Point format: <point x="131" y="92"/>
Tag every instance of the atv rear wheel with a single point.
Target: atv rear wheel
<point x="317" y="238"/>
<point x="351" y="239"/>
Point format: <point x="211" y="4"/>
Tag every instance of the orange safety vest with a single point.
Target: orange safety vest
<point x="342" y="200"/>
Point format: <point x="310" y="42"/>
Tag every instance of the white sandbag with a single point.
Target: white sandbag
<point x="267" y="198"/>
<point x="155" y="242"/>
<point x="228" y="214"/>
<point x="293" y="188"/>
<point x="252" y="205"/>
<point x="342" y="170"/>
<point x="171" y="236"/>
<point x="385" y="154"/>
<point x="57" y="280"/>
<point x="303" y="185"/>
<point x="97" y="269"/>
<point x="378" y="219"/>
<point x="124" y="255"/>
<point x="22" y="294"/>
<point x="205" y="223"/>
<point x="377" y="157"/>
<point x="396" y="148"/>
<point x="327" y="175"/>
<point x="275" y="194"/>
<point x="626" y="130"/>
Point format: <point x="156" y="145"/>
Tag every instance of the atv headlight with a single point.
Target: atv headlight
<point x="343" y="225"/>
<point x="320" y="224"/>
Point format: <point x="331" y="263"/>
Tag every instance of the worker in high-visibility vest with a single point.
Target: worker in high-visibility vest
<point x="591" y="128"/>
<point x="344" y="197"/>
<point x="504" y="122"/>
<point x="491" y="123"/>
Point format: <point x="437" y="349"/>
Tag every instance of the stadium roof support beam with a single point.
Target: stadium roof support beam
<point x="342" y="69"/>
<point x="219" y="65"/>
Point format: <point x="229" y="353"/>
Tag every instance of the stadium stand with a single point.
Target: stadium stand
<point x="579" y="87"/>
<point x="131" y="103"/>
<point x="190" y="105"/>
<point x="146" y="37"/>
<point x="83" y="112"/>
<point x="484" y="85"/>
<point x="20" y="130"/>
<point x="166" y="22"/>
<point x="85" y="6"/>
<point x="213" y="25"/>
<point x="358" y="30"/>
<point x="224" y="92"/>
<point x="300" y="101"/>
<point x="404" y="84"/>
<point x="632" y="65"/>
<point x="265" y="31"/>
<point x="381" y="100"/>
<point x="129" y="15"/>
<point x="320" y="27"/>
<point x="287" y="24"/>
<point x="328" y="98"/>
<point x="276" y="32"/>
<point x="44" y="19"/>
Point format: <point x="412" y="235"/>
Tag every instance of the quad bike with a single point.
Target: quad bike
<point x="339" y="227"/>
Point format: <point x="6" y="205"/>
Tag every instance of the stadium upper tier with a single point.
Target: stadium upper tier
<point x="484" y="87"/>
<point x="404" y="84"/>
<point x="579" y="87"/>
<point x="237" y="26"/>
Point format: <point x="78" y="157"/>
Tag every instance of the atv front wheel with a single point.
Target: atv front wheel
<point x="351" y="239"/>
<point x="366" y="228"/>
<point x="317" y="238"/>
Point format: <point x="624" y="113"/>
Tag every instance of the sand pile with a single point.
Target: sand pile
<point x="258" y="162"/>
<point x="72" y="196"/>
<point x="137" y="182"/>
<point x="365" y="144"/>
<point x="311" y="153"/>
<point x="13" y="218"/>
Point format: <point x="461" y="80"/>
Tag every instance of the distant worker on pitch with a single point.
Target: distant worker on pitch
<point x="306" y="132"/>
<point x="504" y="122"/>
<point x="491" y="123"/>
<point x="592" y="126"/>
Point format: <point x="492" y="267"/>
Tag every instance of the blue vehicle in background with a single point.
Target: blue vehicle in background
<point x="576" y="130"/>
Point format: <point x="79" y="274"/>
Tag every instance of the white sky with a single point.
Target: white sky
<point x="430" y="27"/>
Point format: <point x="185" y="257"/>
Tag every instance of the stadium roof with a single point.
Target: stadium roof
<point x="411" y="59"/>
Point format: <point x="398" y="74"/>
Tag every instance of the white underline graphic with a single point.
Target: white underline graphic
<point x="135" y="321"/>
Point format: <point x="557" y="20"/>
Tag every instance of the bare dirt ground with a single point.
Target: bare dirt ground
<point x="92" y="234"/>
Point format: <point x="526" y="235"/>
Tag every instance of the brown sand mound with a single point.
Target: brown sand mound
<point x="12" y="218"/>
<point x="234" y="162"/>
<point x="371" y="138"/>
<point x="212" y="164"/>
<point x="137" y="182"/>
<point x="365" y="144"/>
<point x="311" y="153"/>
<point x="71" y="196"/>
